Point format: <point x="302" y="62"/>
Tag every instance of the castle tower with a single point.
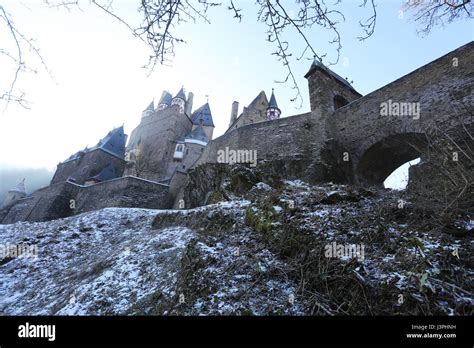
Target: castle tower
<point x="149" y="110"/>
<point x="180" y="100"/>
<point x="16" y="193"/>
<point x="327" y="90"/>
<point x="189" y="103"/>
<point x="234" y="112"/>
<point x="273" y="112"/>
<point x="165" y="100"/>
<point x="203" y="117"/>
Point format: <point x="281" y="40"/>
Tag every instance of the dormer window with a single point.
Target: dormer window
<point x="179" y="151"/>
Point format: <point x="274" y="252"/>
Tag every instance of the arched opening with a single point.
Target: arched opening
<point x="339" y="102"/>
<point x="385" y="156"/>
<point x="398" y="180"/>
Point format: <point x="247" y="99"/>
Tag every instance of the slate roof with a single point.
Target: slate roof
<point x="166" y="98"/>
<point x="272" y="103"/>
<point x="198" y="134"/>
<point x="113" y="143"/>
<point x="108" y="173"/>
<point x="19" y="188"/>
<point x="150" y="107"/>
<point x="203" y="116"/>
<point x="181" y="94"/>
<point x="317" y="64"/>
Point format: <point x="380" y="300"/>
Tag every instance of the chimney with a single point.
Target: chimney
<point x="189" y="104"/>
<point x="234" y="112"/>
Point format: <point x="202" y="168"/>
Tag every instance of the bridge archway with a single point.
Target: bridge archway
<point x="388" y="154"/>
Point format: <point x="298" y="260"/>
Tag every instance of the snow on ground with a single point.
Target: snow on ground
<point x="92" y="264"/>
<point x="211" y="261"/>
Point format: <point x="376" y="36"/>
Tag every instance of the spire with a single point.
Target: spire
<point x="20" y="188"/>
<point x="151" y="107"/>
<point x="180" y="100"/>
<point x="273" y="112"/>
<point x="203" y="116"/>
<point x="166" y="98"/>
<point x="272" y="103"/>
<point x="181" y="94"/>
<point x="149" y="110"/>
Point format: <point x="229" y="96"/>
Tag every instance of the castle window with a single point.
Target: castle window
<point x="179" y="151"/>
<point x="339" y="102"/>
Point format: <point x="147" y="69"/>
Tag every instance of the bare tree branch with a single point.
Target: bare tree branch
<point x="159" y="19"/>
<point x="431" y="13"/>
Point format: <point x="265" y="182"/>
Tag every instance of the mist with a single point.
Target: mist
<point x="34" y="179"/>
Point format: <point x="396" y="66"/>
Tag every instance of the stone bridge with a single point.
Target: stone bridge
<point x="370" y="136"/>
<point x="379" y="143"/>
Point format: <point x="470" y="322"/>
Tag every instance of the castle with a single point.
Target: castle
<point x="344" y="138"/>
<point x="168" y="141"/>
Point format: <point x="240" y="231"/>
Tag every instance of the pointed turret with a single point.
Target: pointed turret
<point x="181" y="94"/>
<point x="20" y="188"/>
<point x="149" y="110"/>
<point x="203" y="117"/>
<point x="165" y="100"/>
<point x="273" y="112"/>
<point x="16" y="193"/>
<point x="180" y="100"/>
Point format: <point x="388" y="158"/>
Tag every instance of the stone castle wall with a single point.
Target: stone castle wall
<point x="91" y="163"/>
<point x="284" y="137"/>
<point x="65" y="199"/>
<point x="323" y="89"/>
<point x="127" y="191"/>
<point x="445" y="94"/>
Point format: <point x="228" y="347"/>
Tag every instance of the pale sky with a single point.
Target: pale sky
<point x="98" y="81"/>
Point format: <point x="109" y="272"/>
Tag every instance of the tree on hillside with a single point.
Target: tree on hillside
<point x="159" y="19"/>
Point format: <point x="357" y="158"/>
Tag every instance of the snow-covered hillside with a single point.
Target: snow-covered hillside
<point x="263" y="253"/>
